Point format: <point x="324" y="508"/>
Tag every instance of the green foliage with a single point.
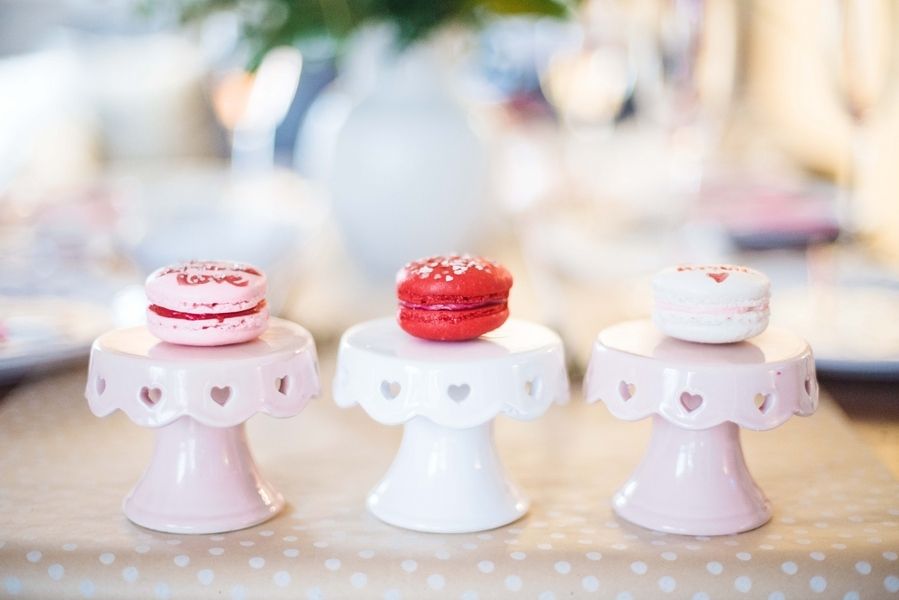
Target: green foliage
<point x="270" y="23"/>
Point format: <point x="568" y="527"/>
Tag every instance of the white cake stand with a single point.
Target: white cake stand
<point x="202" y="477"/>
<point x="447" y="476"/>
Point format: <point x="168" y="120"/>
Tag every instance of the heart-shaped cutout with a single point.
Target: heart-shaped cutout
<point x="220" y="395"/>
<point x="282" y="384"/>
<point x="626" y="390"/>
<point x="532" y="387"/>
<point x="718" y="277"/>
<point x="100" y="385"/>
<point x="150" y="396"/>
<point x="458" y="393"/>
<point x="763" y="402"/>
<point x="690" y="402"/>
<point x="390" y="389"/>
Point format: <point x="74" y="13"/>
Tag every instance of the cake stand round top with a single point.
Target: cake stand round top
<point x="155" y="382"/>
<point x="517" y="370"/>
<point x="638" y="371"/>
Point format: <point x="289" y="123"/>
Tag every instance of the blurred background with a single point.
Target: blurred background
<point x="584" y="144"/>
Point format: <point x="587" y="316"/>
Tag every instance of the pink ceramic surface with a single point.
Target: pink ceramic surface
<point x="447" y="476"/>
<point x="202" y="477"/>
<point x="693" y="479"/>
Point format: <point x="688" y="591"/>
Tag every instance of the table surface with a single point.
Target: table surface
<point x="64" y="473"/>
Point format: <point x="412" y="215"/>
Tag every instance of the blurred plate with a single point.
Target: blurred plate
<point x="42" y="332"/>
<point x="853" y="329"/>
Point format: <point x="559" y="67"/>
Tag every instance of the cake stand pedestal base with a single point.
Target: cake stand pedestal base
<point x="693" y="482"/>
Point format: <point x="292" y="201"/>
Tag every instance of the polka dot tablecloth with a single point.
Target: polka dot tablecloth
<point x="63" y="474"/>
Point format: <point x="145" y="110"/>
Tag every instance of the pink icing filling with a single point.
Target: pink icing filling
<point x="698" y="309"/>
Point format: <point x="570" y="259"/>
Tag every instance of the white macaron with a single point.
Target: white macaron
<point x="712" y="304"/>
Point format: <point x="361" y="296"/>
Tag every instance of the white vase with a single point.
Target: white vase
<point x="408" y="174"/>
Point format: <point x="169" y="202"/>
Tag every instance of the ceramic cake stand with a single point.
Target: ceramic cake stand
<point x="447" y="476"/>
<point x="202" y="478"/>
<point x="693" y="479"/>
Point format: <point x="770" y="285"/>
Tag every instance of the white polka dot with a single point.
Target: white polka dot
<point x="890" y="555"/>
<point x="70" y="547"/>
<point x="442" y="554"/>
<point x="469" y="595"/>
<point x="817" y="584"/>
<point x="545" y="546"/>
<point x="714" y="567"/>
<point x="562" y="567"/>
<point x="257" y="562"/>
<point x="162" y="591"/>
<point x="366" y="554"/>
<point x="485" y="536"/>
<point x="700" y="596"/>
<point x="743" y="584"/>
<point x="314" y="593"/>
<point x="217" y="551"/>
<point x="667" y="584"/>
<point x="593" y="556"/>
<point x="436" y="582"/>
<point x="182" y="560"/>
<point x="130" y="574"/>
<point x="291" y="552"/>
<point x="107" y="558"/>
<point x="546" y="595"/>
<point x="56" y="571"/>
<point x="266" y="533"/>
<point x="238" y="592"/>
<point x="409" y="565"/>
<point x="852" y="595"/>
<point x="513" y="583"/>
<point x="251" y="543"/>
<point x="34" y="556"/>
<point x="744" y="556"/>
<point x="624" y="596"/>
<point x="332" y="564"/>
<point x="590" y="583"/>
<point x="205" y="576"/>
<point x="358" y="580"/>
<point x="392" y="594"/>
<point x="891" y="583"/>
<point x="669" y="555"/>
<point x="863" y="567"/>
<point x="518" y="555"/>
<point x="13" y="585"/>
<point x="486" y="566"/>
<point x="776" y="595"/>
<point x="789" y="568"/>
<point x="142" y="548"/>
<point x="639" y="567"/>
<point x="819" y="556"/>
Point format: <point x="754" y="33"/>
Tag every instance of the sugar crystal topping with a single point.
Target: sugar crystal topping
<point x="447" y="267"/>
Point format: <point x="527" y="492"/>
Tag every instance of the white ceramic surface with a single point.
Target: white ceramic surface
<point x="202" y="477"/>
<point x="447" y="476"/>
<point x="694" y="479"/>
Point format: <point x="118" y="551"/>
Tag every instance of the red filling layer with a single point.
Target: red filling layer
<point x="451" y="306"/>
<point x="174" y="314"/>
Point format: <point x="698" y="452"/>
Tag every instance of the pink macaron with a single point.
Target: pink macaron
<point x="207" y="303"/>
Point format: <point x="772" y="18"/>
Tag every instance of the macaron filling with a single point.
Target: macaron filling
<point x="452" y="306"/>
<point x="698" y="309"/>
<point x="174" y="314"/>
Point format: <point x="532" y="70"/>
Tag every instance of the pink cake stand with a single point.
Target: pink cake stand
<point x="202" y="477"/>
<point x="693" y="479"/>
<point x="447" y="476"/>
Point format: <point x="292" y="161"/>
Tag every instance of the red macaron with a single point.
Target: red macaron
<point x="452" y="298"/>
